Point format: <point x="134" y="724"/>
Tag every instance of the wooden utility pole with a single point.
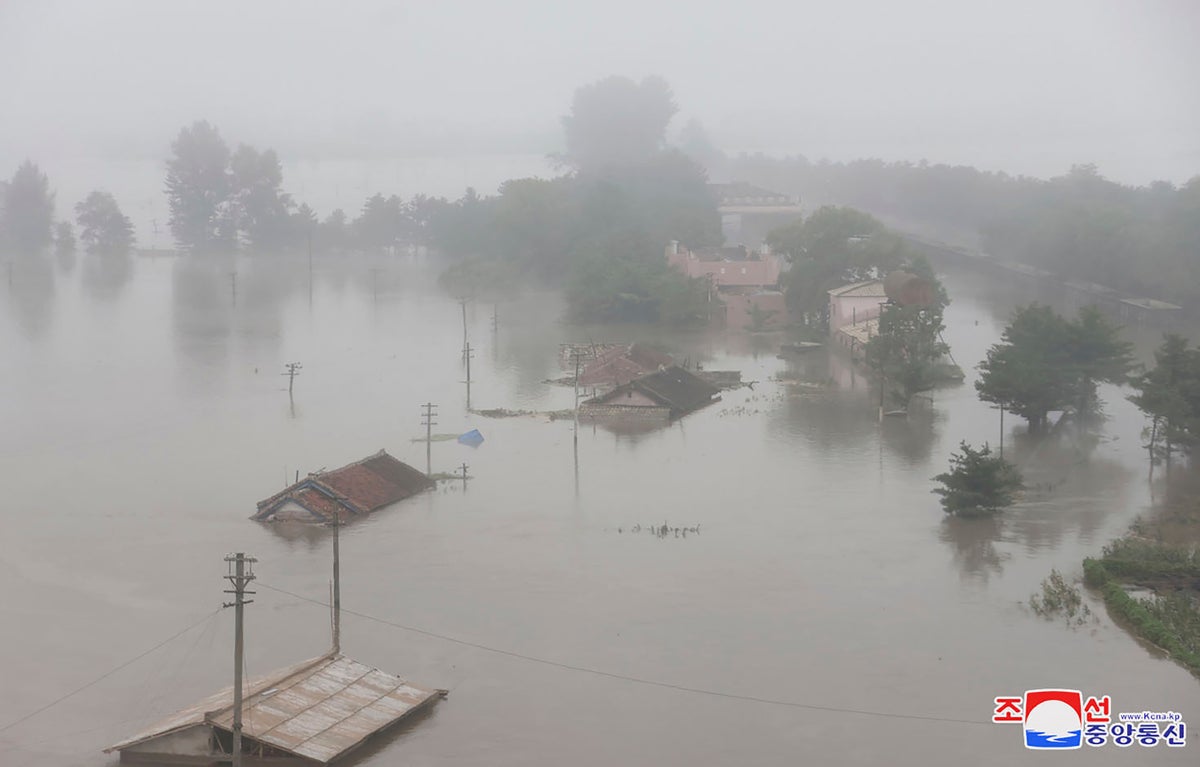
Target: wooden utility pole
<point x="233" y="286"/>
<point x="337" y="585"/>
<point x="241" y="572"/>
<point x="463" y="303"/>
<point x="468" y="354"/>
<point x="430" y="412"/>
<point x="293" y="370"/>
<point x="464" y="477"/>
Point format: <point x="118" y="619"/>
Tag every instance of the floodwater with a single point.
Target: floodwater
<point x="145" y="414"/>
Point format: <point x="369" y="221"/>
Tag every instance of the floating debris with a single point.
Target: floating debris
<point x="662" y="531"/>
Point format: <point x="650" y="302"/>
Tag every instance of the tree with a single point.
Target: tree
<point x="1098" y="355"/>
<point x="1169" y="394"/>
<point x="64" y="239"/>
<point x="198" y="191"/>
<point x="103" y="228"/>
<point x="28" y="208"/>
<point x="382" y="223"/>
<point x="833" y="247"/>
<point x="617" y="121"/>
<point x="906" y="350"/>
<point x="978" y="483"/>
<point x="1045" y="363"/>
<point x="261" y="209"/>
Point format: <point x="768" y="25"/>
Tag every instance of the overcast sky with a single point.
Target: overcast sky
<point x="1028" y="86"/>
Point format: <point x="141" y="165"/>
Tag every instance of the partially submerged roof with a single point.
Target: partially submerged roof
<point x="1150" y="303"/>
<point x="357" y="488"/>
<point x="674" y="388"/>
<point x="864" y="289"/>
<point x="623" y="364"/>
<point x="319" y="710"/>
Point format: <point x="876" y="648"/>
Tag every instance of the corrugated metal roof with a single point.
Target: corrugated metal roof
<point x="319" y="709"/>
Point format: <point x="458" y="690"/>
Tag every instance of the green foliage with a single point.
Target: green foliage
<point x="978" y="483"/>
<point x="906" y="352"/>
<point x="1045" y="362"/>
<point x="616" y="121"/>
<point x="1060" y="598"/>
<point x="28" y="211"/>
<point x="261" y="209"/>
<point x="198" y="191"/>
<point x="104" y="230"/>
<point x="831" y="248"/>
<point x="1169" y="394"/>
<point x="606" y="289"/>
<point x="1142" y="240"/>
<point x="64" y="238"/>
<point x="1170" y="621"/>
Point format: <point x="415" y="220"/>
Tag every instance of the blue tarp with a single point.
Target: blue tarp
<point x="472" y="438"/>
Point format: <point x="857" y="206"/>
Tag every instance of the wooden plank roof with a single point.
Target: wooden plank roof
<point x="320" y="709"/>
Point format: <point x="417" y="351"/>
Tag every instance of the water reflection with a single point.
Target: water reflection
<point x="972" y="542"/>
<point x="106" y="275"/>
<point x="31" y="293"/>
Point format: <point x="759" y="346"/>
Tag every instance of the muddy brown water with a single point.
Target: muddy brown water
<point x="145" y="413"/>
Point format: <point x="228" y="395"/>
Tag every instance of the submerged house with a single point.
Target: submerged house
<point x="657" y="397"/>
<point x="312" y="713"/>
<point x="854" y="314"/>
<point x="351" y="491"/>
<point x="621" y="364"/>
<point x="744" y="283"/>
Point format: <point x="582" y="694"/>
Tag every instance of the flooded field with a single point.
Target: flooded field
<point x="821" y="608"/>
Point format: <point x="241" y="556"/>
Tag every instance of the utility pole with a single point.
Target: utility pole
<point x="375" y="286"/>
<point x="463" y="303"/>
<point x="233" y="286"/>
<point x="464" y="477"/>
<point x="468" y="354"/>
<point x="337" y="585"/>
<point x="430" y="412"/>
<point x="1002" y="431"/>
<point x="310" y="266"/>
<point x="239" y="576"/>
<point x="293" y="370"/>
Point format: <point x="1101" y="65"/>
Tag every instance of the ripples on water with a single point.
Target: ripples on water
<point x="146" y="413"/>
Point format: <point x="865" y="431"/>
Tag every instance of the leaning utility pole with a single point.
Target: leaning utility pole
<point x="430" y="412"/>
<point x="238" y="576"/>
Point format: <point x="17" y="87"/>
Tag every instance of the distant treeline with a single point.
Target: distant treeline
<point x="1143" y="240"/>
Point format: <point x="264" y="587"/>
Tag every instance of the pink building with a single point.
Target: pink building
<point x="733" y="267"/>
<point x="852" y="304"/>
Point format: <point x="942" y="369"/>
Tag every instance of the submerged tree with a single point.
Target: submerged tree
<point x="978" y="483"/>
<point x="64" y="239"/>
<point x="103" y="229"/>
<point x="907" y="350"/>
<point x="260" y="207"/>
<point x="1169" y="394"/>
<point x="198" y="190"/>
<point x="1045" y="362"/>
<point x="28" y="208"/>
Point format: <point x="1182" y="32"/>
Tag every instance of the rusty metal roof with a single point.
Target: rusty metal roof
<point x="320" y="709"/>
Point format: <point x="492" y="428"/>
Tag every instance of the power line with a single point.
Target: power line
<point x="627" y="678"/>
<point x="107" y="674"/>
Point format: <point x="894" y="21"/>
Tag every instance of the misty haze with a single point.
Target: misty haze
<point x="543" y="383"/>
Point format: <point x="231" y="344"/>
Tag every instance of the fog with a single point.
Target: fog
<point x="1024" y="87"/>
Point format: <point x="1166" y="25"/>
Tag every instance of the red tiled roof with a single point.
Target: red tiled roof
<point x="359" y="488"/>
